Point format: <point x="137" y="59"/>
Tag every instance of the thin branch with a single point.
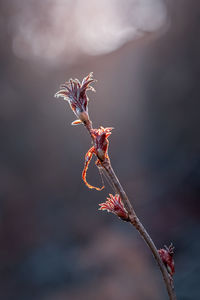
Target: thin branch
<point x="134" y="220"/>
<point x="75" y="93"/>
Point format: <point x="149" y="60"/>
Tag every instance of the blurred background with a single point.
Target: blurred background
<point x="54" y="243"/>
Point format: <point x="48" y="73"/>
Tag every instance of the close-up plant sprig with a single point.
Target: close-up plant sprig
<point x="119" y="204"/>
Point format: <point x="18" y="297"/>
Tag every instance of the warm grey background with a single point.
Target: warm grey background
<point x="54" y="243"/>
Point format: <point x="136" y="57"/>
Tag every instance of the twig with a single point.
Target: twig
<point x="75" y="93"/>
<point x="134" y="220"/>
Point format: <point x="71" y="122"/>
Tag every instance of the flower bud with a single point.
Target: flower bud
<point x="167" y="258"/>
<point x="75" y="93"/>
<point x="114" y="205"/>
<point x="101" y="142"/>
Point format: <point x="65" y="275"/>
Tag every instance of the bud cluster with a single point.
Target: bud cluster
<point x="74" y="92"/>
<point x="114" y="205"/>
<point x="167" y="258"/>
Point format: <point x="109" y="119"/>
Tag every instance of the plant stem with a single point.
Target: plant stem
<point x="134" y="220"/>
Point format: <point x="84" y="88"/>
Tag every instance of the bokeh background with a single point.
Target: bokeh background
<point x="145" y="54"/>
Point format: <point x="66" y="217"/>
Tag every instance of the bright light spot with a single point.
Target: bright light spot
<point x="56" y="31"/>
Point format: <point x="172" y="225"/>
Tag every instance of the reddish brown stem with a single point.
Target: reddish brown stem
<point x="138" y="225"/>
<point x="75" y="93"/>
<point x="134" y="220"/>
